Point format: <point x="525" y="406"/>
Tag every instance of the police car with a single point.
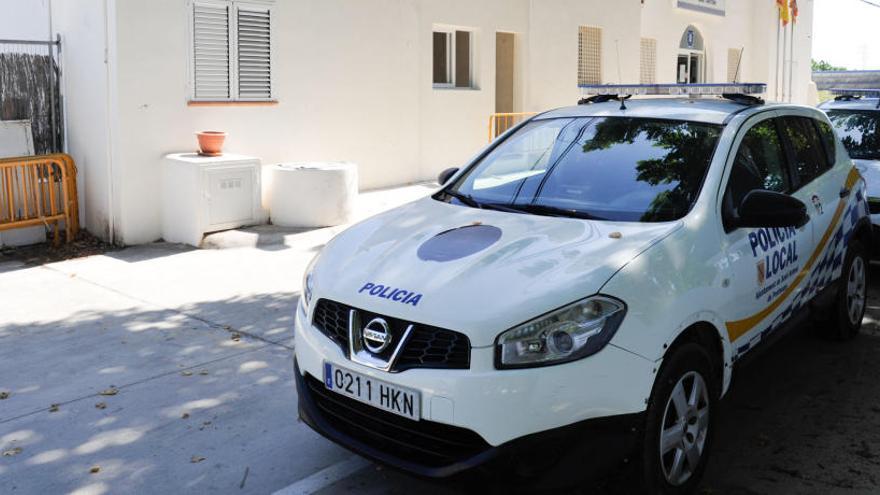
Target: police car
<point x="580" y="294"/>
<point x="855" y="114"/>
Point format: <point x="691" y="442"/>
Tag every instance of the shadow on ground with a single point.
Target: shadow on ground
<point x="153" y="400"/>
<point x="801" y="418"/>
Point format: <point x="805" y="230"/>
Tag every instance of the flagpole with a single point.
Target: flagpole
<point x="784" y="64"/>
<point x="791" y="64"/>
<point x="778" y="60"/>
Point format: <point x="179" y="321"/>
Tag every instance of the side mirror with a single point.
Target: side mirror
<point x="768" y="209"/>
<point x="445" y="175"/>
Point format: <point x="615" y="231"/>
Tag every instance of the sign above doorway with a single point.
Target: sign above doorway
<point x="715" y="7"/>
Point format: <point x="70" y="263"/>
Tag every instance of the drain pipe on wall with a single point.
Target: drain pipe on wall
<point x="111" y="114"/>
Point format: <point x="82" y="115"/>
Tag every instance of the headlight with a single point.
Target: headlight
<point x="569" y="333"/>
<point x="308" y="285"/>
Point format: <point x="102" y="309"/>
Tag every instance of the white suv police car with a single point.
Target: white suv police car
<point x="855" y="114"/>
<point x="581" y="292"/>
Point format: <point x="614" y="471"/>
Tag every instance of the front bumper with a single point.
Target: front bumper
<point x="551" y="459"/>
<point x="493" y="417"/>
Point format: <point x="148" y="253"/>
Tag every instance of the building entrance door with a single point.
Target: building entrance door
<point x="691" y="63"/>
<point x="504" y="72"/>
<point x="690" y="68"/>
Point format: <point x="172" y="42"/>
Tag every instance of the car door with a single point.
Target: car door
<point x="762" y="264"/>
<point x="822" y="184"/>
<point x="814" y="182"/>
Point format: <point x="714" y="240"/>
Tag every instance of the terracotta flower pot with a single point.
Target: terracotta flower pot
<point x="211" y="142"/>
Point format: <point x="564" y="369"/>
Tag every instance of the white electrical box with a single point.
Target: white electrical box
<point x="202" y="194"/>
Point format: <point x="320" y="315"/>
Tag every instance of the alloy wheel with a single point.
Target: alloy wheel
<point x="855" y="290"/>
<point x="685" y="429"/>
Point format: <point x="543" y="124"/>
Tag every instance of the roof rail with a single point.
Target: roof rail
<point x="603" y="98"/>
<point x="743" y="99"/>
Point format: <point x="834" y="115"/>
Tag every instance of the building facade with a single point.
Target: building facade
<point x="404" y="88"/>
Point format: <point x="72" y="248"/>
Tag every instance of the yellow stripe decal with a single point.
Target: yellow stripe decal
<point x="736" y="329"/>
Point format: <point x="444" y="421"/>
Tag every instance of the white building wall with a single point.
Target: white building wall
<point x="553" y="47"/>
<point x="345" y="80"/>
<point x="86" y="67"/>
<point x="748" y="24"/>
<point x="453" y="122"/>
<point x="353" y="80"/>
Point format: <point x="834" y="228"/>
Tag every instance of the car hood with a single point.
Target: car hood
<point x="524" y="265"/>
<point x="870" y="170"/>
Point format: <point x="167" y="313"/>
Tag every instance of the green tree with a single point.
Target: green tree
<point x="822" y="65"/>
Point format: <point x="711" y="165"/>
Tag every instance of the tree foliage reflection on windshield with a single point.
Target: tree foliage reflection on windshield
<point x="621" y="169"/>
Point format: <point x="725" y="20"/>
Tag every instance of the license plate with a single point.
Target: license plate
<point x="392" y="398"/>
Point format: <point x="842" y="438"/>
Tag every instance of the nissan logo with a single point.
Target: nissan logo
<point x="376" y="335"/>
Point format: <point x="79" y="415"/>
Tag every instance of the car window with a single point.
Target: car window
<point x="829" y="140"/>
<point x="859" y="131"/>
<point x="621" y="169"/>
<point x="810" y="160"/>
<point x="760" y="163"/>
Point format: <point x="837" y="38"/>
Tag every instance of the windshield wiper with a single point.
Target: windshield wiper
<point x="555" y="211"/>
<point x="467" y="199"/>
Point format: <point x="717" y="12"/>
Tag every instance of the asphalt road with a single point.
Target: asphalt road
<point x="801" y="418"/>
<point x="194" y="348"/>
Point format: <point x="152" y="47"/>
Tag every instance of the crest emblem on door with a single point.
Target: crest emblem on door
<point x="818" y="204"/>
<point x="761" y="271"/>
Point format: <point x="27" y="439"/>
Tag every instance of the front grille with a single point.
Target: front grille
<point x="430" y="347"/>
<point x="423" y="442"/>
<point x="331" y="318"/>
<point x="427" y="347"/>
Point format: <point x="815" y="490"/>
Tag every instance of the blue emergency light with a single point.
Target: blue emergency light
<point x="711" y="89"/>
<point x="847" y="94"/>
<point x="861" y="92"/>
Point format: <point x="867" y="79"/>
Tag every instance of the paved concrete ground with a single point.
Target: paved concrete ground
<point x="192" y="349"/>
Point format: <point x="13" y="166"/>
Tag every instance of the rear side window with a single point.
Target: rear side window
<point x="759" y="164"/>
<point x="859" y="131"/>
<point x="809" y="156"/>
<point x="829" y="140"/>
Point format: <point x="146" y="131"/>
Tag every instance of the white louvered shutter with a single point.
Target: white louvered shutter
<point x="254" y="53"/>
<point x="211" y="51"/>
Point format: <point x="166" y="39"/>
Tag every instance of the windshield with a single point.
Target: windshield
<point x="859" y="132"/>
<point x="619" y="169"/>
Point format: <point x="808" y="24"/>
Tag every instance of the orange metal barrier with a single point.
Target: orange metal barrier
<point x="499" y="123"/>
<point x="39" y="190"/>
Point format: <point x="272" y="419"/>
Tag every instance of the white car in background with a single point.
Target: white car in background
<point x="582" y="292"/>
<point x="855" y="115"/>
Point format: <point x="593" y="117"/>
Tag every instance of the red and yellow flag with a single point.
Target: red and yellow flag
<point x="784" y="11"/>
<point x="794" y="10"/>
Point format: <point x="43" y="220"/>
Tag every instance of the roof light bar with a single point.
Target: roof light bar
<point x="863" y="92"/>
<point x="674" y="89"/>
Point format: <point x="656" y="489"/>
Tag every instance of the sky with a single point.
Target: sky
<point x="846" y="33"/>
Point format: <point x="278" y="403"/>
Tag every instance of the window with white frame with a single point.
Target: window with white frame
<point x="231" y="50"/>
<point x="453" y="52"/>
<point x="589" y="55"/>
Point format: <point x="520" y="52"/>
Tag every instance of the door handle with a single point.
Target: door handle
<point x="844" y="192"/>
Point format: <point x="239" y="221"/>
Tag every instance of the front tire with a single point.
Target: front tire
<point x="680" y="422"/>
<point x="852" y="296"/>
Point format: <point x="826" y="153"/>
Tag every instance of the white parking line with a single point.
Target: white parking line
<point x="325" y="477"/>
